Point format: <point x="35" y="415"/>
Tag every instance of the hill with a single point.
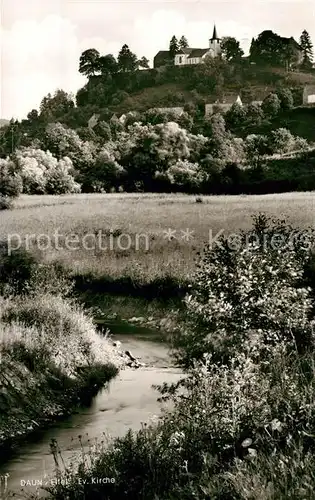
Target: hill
<point x="175" y="86"/>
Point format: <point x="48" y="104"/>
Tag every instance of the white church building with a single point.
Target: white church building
<point x="196" y="56"/>
<point x="191" y="55"/>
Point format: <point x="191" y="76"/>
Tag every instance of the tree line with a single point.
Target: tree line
<point x="92" y="62"/>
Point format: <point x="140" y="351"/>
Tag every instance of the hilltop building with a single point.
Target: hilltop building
<point x="309" y="94"/>
<point x="190" y="55"/>
<point x="223" y="105"/>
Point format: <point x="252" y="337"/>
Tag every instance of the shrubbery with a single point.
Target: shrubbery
<point x="243" y="290"/>
<point x="243" y="417"/>
<point x="42" y="173"/>
<point x="139" y="151"/>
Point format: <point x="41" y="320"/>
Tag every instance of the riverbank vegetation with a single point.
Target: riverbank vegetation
<point x="242" y="426"/>
<point x="52" y="360"/>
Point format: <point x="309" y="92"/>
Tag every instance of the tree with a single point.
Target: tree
<point x="32" y="115"/>
<point x="107" y="64"/>
<point x="271" y="105"/>
<point x="235" y="116"/>
<point x="256" y="146"/>
<point x="307" y="49"/>
<point x="286" y="99"/>
<point x="272" y="49"/>
<point x="59" y="104"/>
<point x="281" y="141"/>
<point x="89" y="62"/>
<point x="127" y="60"/>
<point x="10" y="180"/>
<point x="183" y="43"/>
<point x="231" y="49"/>
<point x="143" y="63"/>
<point x="254" y="114"/>
<point x="174" y="47"/>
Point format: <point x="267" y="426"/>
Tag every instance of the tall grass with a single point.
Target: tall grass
<point x="144" y="214"/>
<point x="50" y="353"/>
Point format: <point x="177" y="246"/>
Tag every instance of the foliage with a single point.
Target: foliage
<point x="105" y="172"/>
<point x="231" y="49"/>
<point x="271" y="105"/>
<point x="63" y="141"/>
<point x="59" y="180"/>
<point x="144" y="63"/>
<point x="235" y="116"/>
<point x="127" y="61"/>
<point x="6" y="203"/>
<point x="183" y="42"/>
<point x="281" y="141"/>
<point x="270" y="48"/>
<point x="173" y="47"/>
<point x="11" y="184"/>
<point x="307" y="49"/>
<point x="286" y="99"/>
<point x="242" y="291"/>
<point x="107" y="64"/>
<point x="52" y="107"/>
<point x="185" y="174"/>
<point x="42" y="173"/>
<point x="89" y="62"/>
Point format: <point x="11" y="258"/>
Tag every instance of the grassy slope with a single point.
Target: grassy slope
<point x="51" y="359"/>
<point x="147" y="215"/>
<point x="155" y="96"/>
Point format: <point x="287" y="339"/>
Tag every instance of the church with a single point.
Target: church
<point x="189" y="55"/>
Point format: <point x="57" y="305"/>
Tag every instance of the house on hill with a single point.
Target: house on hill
<point x="309" y="94"/>
<point x="222" y="106"/>
<point x="190" y="55"/>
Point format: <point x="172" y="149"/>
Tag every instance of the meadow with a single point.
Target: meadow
<point x="135" y="241"/>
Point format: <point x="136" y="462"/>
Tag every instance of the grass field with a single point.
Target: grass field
<point x="133" y="227"/>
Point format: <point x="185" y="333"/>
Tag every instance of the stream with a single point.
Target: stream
<point x="128" y="401"/>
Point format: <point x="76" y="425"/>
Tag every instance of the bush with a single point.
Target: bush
<point x="16" y="270"/>
<point x="243" y="290"/>
<point x="60" y="180"/>
<point x="281" y="141"/>
<point x="6" y="203"/>
<point x="286" y="99"/>
<point x="10" y="181"/>
<point x="41" y="172"/>
<point x="271" y="105"/>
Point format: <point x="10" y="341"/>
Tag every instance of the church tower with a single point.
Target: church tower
<point x="215" y="44"/>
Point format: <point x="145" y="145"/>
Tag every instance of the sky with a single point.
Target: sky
<point x="41" y="40"/>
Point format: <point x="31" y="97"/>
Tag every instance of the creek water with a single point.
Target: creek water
<point x="128" y="401"/>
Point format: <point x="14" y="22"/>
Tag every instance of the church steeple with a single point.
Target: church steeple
<point x="214" y="36"/>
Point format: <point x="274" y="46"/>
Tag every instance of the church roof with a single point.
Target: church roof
<point x="197" y="53"/>
<point x="187" y="50"/>
<point x="162" y="57"/>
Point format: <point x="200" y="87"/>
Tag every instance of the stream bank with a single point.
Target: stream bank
<point x="127" y="401"/>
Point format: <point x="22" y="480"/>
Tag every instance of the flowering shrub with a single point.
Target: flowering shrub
<point x="42" y="173"/>
<point x="184" y="173"/>
<point x="59" y="179"/>
<point x="243" y="290"/>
